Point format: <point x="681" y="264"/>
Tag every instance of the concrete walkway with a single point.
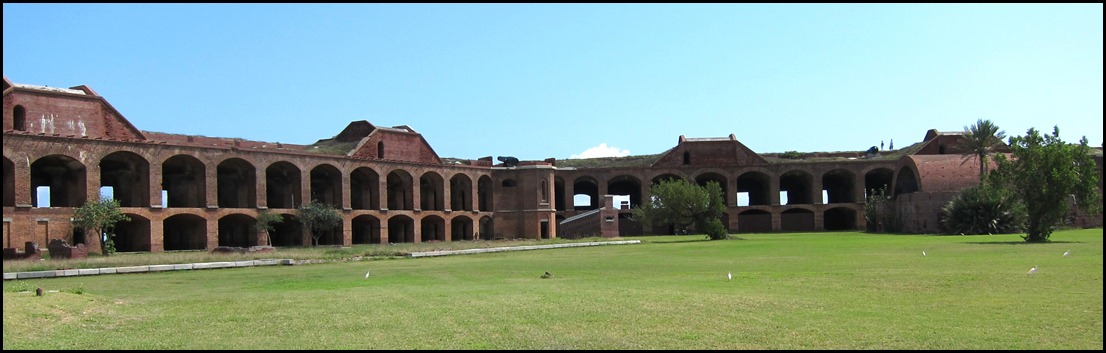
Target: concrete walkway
<point x="271" y="262"/>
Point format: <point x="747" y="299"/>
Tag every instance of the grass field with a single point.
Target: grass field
<point x="789" y="291"/>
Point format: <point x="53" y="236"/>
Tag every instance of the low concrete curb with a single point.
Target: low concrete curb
<point x="141" y="269"/>
<point x="273" y="262"/>
<point x="516" y="248"/>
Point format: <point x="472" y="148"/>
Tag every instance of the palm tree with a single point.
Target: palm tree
<point x="980" y="140"/>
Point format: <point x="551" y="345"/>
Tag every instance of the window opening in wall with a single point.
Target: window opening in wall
<point x="380" y="150"/>
<point x="509" y="183"/>
<point x="620" y="200"/>
<point x="544" y="191"/>
<point x="743" y="198"/>
<point x="687" y="158"/>
<point x="783" y="197"/>
<point x="164" y="198"/>
<point x="20" y="118"/>
<point x="107" y="192"/>
<point x="43" y="199"/>
<point x="825" y="196"/>
<point x="581" y="200"/>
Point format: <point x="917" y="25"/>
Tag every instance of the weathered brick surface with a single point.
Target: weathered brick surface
<point x="217" y="186"/>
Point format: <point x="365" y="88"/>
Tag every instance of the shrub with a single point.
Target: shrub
<point x="983" y="210"/>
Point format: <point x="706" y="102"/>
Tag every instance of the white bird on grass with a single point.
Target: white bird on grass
<point x="1066" y="253"/>
<point x="1032" y="271"/>
<point x="367" y="273"/>
<point x="729" y="275"/>
<point x="923" y="253"/>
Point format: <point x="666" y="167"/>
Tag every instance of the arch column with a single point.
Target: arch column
<point x="262" y="181"/>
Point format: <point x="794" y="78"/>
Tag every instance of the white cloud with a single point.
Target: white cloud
<point x="601" y="151"/>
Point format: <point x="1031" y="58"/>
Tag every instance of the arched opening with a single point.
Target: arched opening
<point x="796" y="187"/>
<point x="399" y="191"/>
<point x="236" y="184"/>
<point x="797" y="220"/>
<point x="487" y="229"/>
<point x="332" y="236"/>
<point x="431" y="192"/>
<point x="559" y="194"/>
<point x="185" y="232"/>
<point x="326" y="186"/>
<point x="484" y="193"/>
<point x="366" y="230"/>
<point x="237" y="230"/>
<point x="625" y="188"/>
<point x="128" y="175"/>
<point x="586" y="195"/>
<point x="62" y="179"/>
<point x="131" y="236"/>
<point x="401" y="229"/>
<point x="364" y="189"/>
<point x="460" y="193"/>
<point x="687" y="158"/>
<point x="753" y="189"/>
<point x="380" y="150"/>
<point x="183" y="179"/>
<point x="282" y="186"/>
<point x="906" y="182"/>
<point x="876" y="179"/>
<point x="705" y="178"/>
<point x="461" y="228"/>
<point x="433" y="229"/>
<point x="287" y="232"/>
<point x="754" y="221"/>
<point x="19" y="118"/>
<point x="9" y="183"/>
<point x="838" y="185"/>
<point x="839" y="219"/>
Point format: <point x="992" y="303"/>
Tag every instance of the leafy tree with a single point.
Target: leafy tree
<point x="319" y="218"/>
<point x="98" y="215"/>
<point x="983" y="209"/>
<point x="1046" y="173"/>
<point x="682" y="205"/>
<point x="980" y="140"/>
<point x="265" y="223"/>
<point x="876" y="213"/>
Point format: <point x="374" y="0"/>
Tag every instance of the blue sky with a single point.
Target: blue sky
<point x="555" y="80"/>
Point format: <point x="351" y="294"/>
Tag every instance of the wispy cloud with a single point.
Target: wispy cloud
<point x="601" y="151"/>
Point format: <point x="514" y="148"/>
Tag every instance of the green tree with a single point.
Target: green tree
<point x="980" y="140"/>
<point x="682" y="205"/>
<point x="265" y="224"/>
<point x="1046" y="173"/>
<point x="319" y="218"/>
<point x="98" y="215"/>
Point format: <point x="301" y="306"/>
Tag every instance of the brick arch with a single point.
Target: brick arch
<point x="128" y="174"/>
<point x="283" y="185"/>
<point x="400" y="191"/>
<point x="184" y="232"/>
<point x="131" y="236"/>
<point x="65" y="177"/>
<point x="237" y="229"/>
<point x="798" y="184"/>
<point x="326" y="185"/>
<point x="431" y="192"/>
<point x="365" y="229"/>
<point x="184" y="180"/>
<point x="9" y="182"/>
<point x="364" y="189"/>
<point x="586" y="185"/>
<point x="460" y="192"/>
<point x="628" y="185"/>
<point x="706" y="176"/>
<point x="461" y="228"/>
<point x="757" y="184"/>
<point x="840" y="186"/>
<point x="839" y="219"/>
<point x="236" y="183"/>
<point x="401" y="229"/>
<point x="432" y="228"/>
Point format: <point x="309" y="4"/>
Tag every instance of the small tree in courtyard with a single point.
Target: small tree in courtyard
<point x="265" y="224"/>
<point x="319" y="218"/>
<point x="98" y="215"/>
<point x="682" y="205"/>
<point x="1046" y="174"/>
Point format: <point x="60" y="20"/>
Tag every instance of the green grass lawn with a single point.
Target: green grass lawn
<point x="789" y="291"/>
